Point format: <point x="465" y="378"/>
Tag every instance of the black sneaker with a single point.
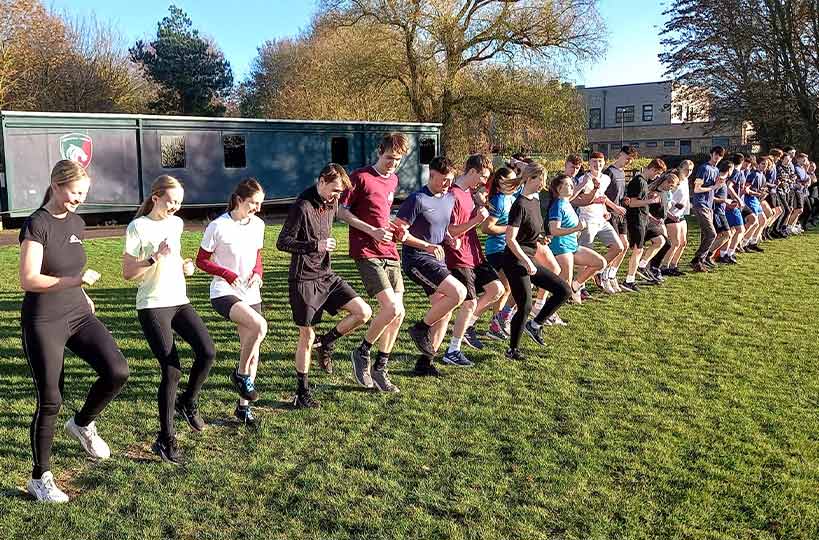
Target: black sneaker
<point x="245" y="415"/>
<point x="190" y="412"/>
<point x="471" y="338"/>
<point x="645" y="273"/>
<point x="708" y="263"/>
<point x="630" y="286"/>
<point x="382" y="382"/>
<point x="244" y="386"/>
<point x="755" y="247"/>
<point x="325" y="357"/>
<point x="361" y="367"/>
<point x="535" y="333"/>
<point x="514" y="354"/>
<point x="305" y="400"/>
<point x="425" y="368"/>
<point x="167" y="449"/>
<point x="421" y="339"/>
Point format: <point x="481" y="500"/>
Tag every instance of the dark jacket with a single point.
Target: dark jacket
<point x="309" y="221"/>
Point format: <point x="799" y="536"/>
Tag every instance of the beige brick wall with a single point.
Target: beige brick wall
<point x="700" y="135"/>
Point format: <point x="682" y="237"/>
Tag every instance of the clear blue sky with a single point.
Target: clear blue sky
<point x="240" y="26"/>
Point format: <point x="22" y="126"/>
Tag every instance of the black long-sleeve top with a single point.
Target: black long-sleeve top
<point x="309" y="221"/>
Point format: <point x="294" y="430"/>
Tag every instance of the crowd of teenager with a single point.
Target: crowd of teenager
<point x="537" y="253"/>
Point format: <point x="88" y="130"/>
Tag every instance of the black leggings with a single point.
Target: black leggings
<point x="521" y="284"/>
<point x="158" y="325"/>
<point x="44" y="344"/>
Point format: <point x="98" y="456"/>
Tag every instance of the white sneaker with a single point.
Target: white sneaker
<point x="557" y="321"/>
<point x="45" y="490"/>
<point x="615" y="285"/>
<point x="91" y="442"/>
<point x="607" y="287"/>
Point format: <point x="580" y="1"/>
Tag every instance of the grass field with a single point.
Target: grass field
<point x="688" y="411"/>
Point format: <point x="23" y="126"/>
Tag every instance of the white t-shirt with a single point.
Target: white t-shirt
<point x="163" y="284"/>
<point x="681" y="195"/>
<point x="594" y="212"/>
<point x="234" y="246"/>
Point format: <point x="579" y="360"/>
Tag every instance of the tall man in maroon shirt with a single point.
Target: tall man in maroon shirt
<point x="366" y="208"/>
<point x="465" y="259"/>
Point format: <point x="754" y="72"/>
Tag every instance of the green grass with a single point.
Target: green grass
<point x="689" y="411"/>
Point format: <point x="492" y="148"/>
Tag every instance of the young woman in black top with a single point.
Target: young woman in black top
<point x="56" y="313"/>
<point x="523" y="232"/>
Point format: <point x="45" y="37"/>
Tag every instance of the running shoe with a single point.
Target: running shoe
<point x="361" y="367"/>
<point x="536" y="333"/>
<point x="46" y="490"/>
<point x="514" y="354"/>
<point x="425" y="368"/>
<point x="645" y="273"/>
<point x="575" y="298"/>
<point x="457" y="358"/>
<point x="496" y="332"/>
<point x="698" y="267"/>
<point x="607" y="287"/>
<point x="421" y="338"/>
<point x="190" y="412"/>
<point x="708" y="263"/>
<point x="324" y="356"/>
<point x="244" y="386"/>
<point x="615" y="285"/>
<point x="382" y="382"/>
<point x="471" y="338"/>
<point x="599" y="281"/>
<point x="305" y="400"/>
<point x="245" y="415"/>
<point x="90" y="440"/>
<point x="555" y="320"/>
<point x="584" y="294"/>
<point x="167" y="449"/>
<point x="630" y="286"/>
<point x="756" y="248"/>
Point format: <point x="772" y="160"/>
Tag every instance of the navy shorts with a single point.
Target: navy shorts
<point x="734" y="217"/>
<point x="720" y="222"/>
<point x="424" y="269"/>
<point x="495" y="260"/>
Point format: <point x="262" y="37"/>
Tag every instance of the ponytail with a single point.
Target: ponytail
<point x="64" y="172"/>
<point x="244" y="189"/>
<point x="158" y="188"/>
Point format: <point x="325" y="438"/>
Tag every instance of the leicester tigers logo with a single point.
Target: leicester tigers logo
<point x="77" y="147"/>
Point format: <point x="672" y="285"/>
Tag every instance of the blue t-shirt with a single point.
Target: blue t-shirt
<point x="709" y="175"/>
<point x="428" y="215"/>
<point x="500" y="206"/>
<point x="563" y="212"/>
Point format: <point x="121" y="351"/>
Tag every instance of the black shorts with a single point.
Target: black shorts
<point x="619" y="224"/>
<point x="495" y="260"/>
<point x="424" y="269"/>
<point x="721" y="222"/>
<point x="746" y="211"/>
<point x="653" y="231"/>
<point x="222" y="305"/>
<point x="636" y="229"/>
<point x="475" y="279"/>
<point x="310" y="299"/>
<point x="798" y="199"/>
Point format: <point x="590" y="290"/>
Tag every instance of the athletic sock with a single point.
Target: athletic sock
<point x="381" y="360"/>
<point x="454" y="344"/>
<point x="303" y="383"/>
<point x="472" y="320"/>
<point x="329" y="339"/>
<point x="642" y="264"/>
<point x="630" y="278"/>
<point x="365" y="346"/>
<point x="613" y="272"/>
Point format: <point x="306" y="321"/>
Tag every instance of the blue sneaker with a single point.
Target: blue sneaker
<point x="471" y="338"/>
<point x="244" y="386"/>
<point x="457" y="358"/>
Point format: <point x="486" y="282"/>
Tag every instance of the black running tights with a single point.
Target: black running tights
<point x="520" y="282"/>
<point x="158" y="325"/>
<point x="44" y="344"/>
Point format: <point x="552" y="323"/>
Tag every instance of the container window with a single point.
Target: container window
<point x="427" y="151"/>
<point x="340" y="150"/>
<point x="235" y="156"/>
<point x="172" y="148"/>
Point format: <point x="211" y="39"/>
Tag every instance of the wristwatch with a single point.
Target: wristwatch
<point x="151" y="260"/>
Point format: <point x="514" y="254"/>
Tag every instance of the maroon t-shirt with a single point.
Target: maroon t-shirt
<point x="469" y="255"/>
<point x="370" y="200"/>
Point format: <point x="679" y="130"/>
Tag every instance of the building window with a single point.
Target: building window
<point x="234" y="149"/>
<point x="648" y="113"/>
<point x="427" y="151"/>
<point x="724" y="142"/>
<point x="340" y="150"/>
<point x="603" y="147"/>
<point x="651" y="144"/>
<point x="624" y="115"/>
<point x="172" y="150"/>
<point x="635" y="144"/>
<point x="594" y="118"/>
<point x="669" y="144"/>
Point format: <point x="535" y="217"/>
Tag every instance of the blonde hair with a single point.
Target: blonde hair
<point x="158" y="188"/>
<point x="532" y="170"/>
<point x="686" y="165"/>
<point x="64" y="172"/>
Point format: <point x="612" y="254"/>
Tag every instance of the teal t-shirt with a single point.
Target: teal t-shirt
<point x="501" y="204"/>
<point x="563" y="212"/>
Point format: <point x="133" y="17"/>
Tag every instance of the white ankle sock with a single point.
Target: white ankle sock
<point x="454" y="344"/>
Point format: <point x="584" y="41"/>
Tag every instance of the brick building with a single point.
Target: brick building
<point x="652" y="117"/>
